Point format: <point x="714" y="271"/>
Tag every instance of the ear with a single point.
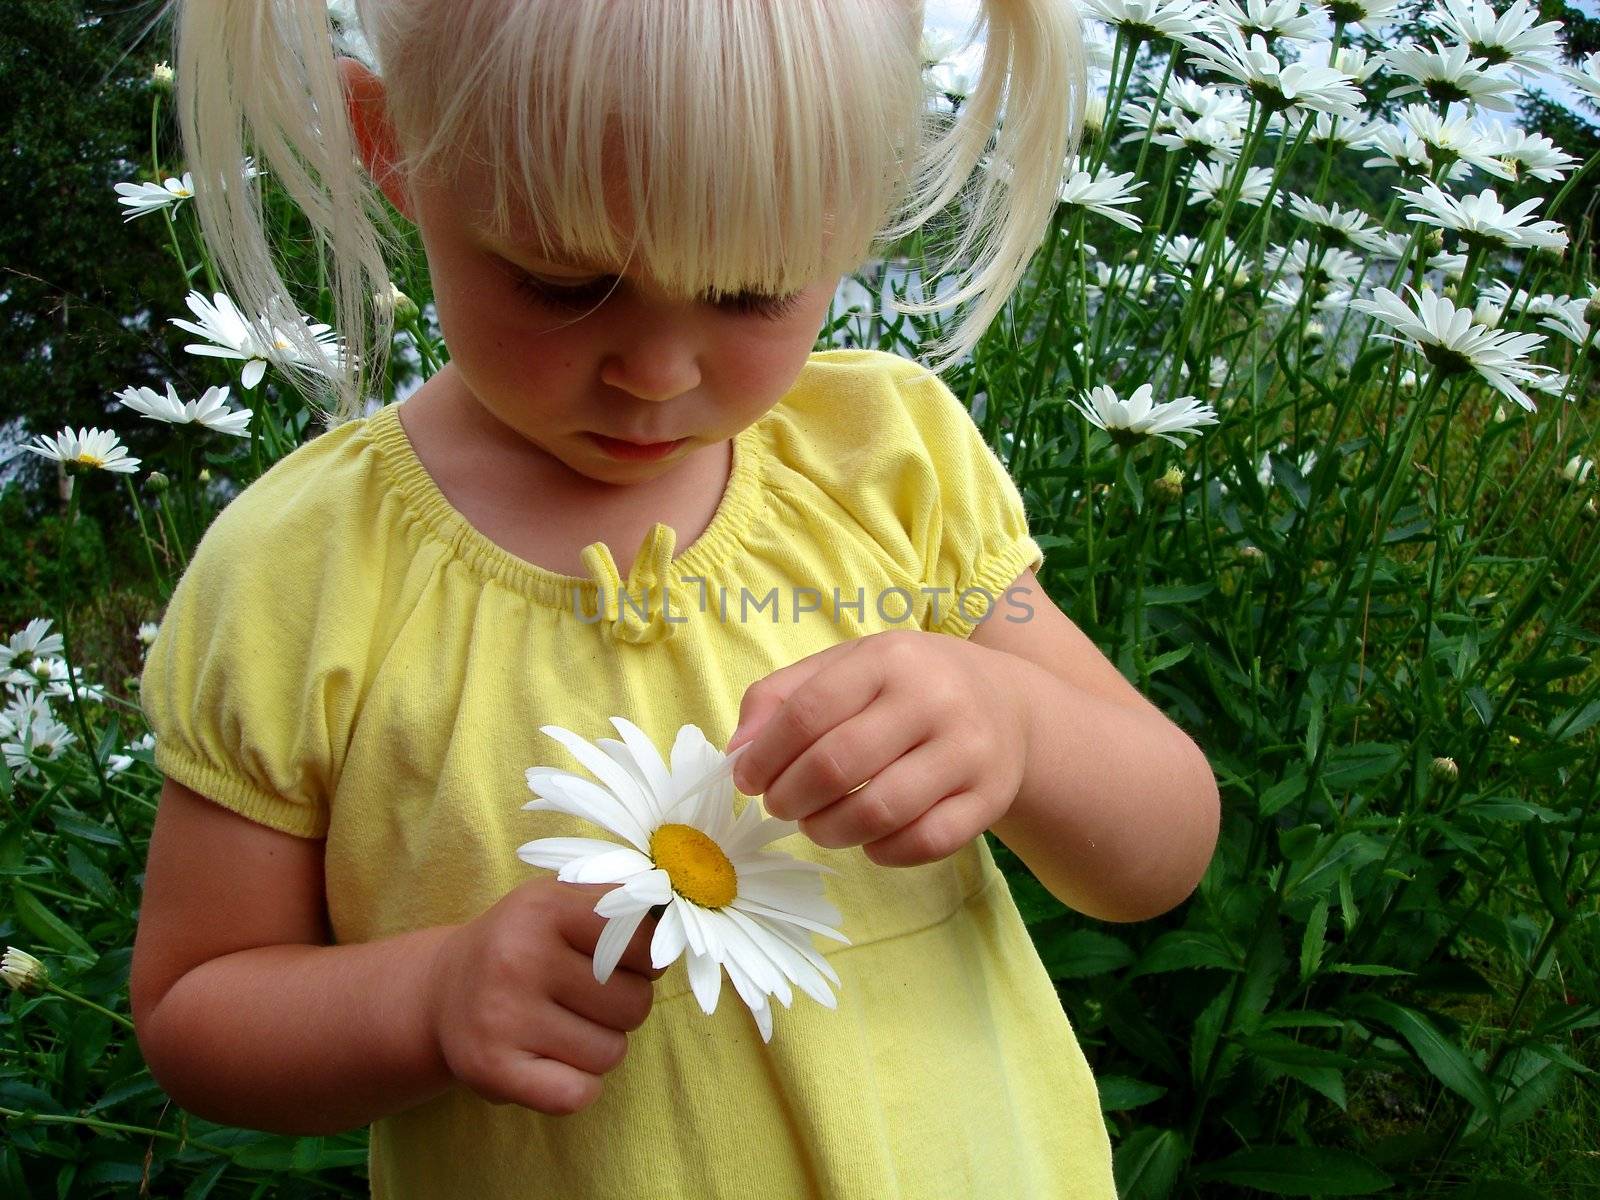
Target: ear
<point x="365" y="102"/>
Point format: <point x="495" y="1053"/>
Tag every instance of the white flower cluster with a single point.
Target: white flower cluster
<point x="34" y="673"/>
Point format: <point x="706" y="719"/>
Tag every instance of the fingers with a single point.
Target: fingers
<point x="584" y="928"/>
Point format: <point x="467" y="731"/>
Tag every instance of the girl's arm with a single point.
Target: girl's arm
<point x="1118" y="810"/>
<point x="244" y="1014"/>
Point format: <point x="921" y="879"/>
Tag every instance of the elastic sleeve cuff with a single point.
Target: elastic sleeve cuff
<point x="239" y="795"/>
<point x="984" y="589"/>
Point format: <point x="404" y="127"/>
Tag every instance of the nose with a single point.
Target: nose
<point x="653" y="367"/>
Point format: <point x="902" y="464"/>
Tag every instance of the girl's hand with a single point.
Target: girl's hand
<point x="514" y="1005"/>
<point x="905" y="742"/>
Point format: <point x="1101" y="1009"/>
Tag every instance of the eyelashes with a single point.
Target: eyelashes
<point x="585" y="296"/>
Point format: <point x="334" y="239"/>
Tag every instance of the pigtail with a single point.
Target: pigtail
<point x="258" y="77"/>
<point x="1033" y="69"/>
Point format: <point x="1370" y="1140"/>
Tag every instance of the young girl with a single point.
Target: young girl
<point x="635" y="212"/>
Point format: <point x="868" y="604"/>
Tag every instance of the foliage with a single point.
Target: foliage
<point x="1368" y="592"/>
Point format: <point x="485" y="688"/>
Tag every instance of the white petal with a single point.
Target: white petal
<point x="751" y="906"/>
<point x="705" y="978"/>
<point x="620" y="783"/>
<point x="614" y="939"/>
<point x="557" y="852"/>
<point x="793" y="964"/>
<point x="669" y="941"/>
<point x="618" y="866"/>
<point x="253" y="371"/>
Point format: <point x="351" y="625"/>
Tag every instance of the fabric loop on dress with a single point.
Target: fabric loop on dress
<point x="637" y="611"/>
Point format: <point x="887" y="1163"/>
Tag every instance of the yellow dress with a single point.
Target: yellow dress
<point x="348" y="658"/>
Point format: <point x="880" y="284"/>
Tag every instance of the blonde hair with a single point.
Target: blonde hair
<point x="766" y="143"/>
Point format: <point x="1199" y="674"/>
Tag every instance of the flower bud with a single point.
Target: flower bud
<point x="397" y="302"/>
<point x="161" y="77"/>
<point x="1590" y="512"/>
<point x="1488" y="314"/>
<point x="1591" y="310"/>
<point x="1252" y="556"/>
<point x="23" y="971"/>
<point x="156" y="482"/>
<point x="1169" y="487"/>
<point x="1577" y="469"/>
<point x="1094" y="114"/>
<point x="1444" y="769"/>
<point x="1433" y="240"/>
<point x="204" y="475"/>
<point x="148" y="631"/>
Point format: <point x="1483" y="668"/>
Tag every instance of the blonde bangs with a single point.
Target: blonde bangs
<point x="717" y="145"/>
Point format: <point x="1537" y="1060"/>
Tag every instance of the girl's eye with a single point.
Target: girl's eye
<point x="578" y="297"/>
<point x="755" y="303"/>
<point x="583" y="296"/>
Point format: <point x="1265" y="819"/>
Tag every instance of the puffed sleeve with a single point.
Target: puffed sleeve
<point x="972" y="528"/>
<point x="250" y="685"/>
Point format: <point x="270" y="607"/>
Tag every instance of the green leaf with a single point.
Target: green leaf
<point x="1146" y="1163"/>
<point x="1118" y="1093"/>
<point x="1175" y="594"/>
<point x="1313" y="941"/>
<point x="1544" y="669"/>
<point x="1381" y="970"/>
<point x="1574" y="721"/>
<point x="1282" y="793"/>
<point x="1446" y="1061"/>
<point x="38" y="920"/>
<point x="1181" y="949"/>
<point x="1326" y="1081"/>
<point x="1299" y="1171"/>
<point x="1542" y="866"/>
<point x="1084" y="953"/>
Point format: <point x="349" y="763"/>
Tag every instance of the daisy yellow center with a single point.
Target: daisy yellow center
<point x="89" y="460"/>
<point x="698" y="868"/>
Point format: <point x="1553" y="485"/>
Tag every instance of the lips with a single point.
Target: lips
<point x="621" y="448"/>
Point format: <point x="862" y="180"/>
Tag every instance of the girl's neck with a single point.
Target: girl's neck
<point x="534" y="505"/>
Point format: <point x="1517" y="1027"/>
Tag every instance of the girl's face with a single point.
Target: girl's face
<point x="559" y="351"/>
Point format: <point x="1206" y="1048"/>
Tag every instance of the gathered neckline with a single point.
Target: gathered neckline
<point x="742" y="499"/>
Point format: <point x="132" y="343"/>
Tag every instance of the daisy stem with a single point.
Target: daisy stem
<point x="57" y="990"/>
<point x="144" y="536"/>
<point x="1155" y="109"/>
<point x="84" y="730"/>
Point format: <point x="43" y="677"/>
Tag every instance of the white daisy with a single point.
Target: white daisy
<point x="1452" y="139"/>
<point x="1447" y="337"/>
<point x="1269" y="19"/>
<point x="255" y="343"/>
<point x="147" y="632"/>
<point x="1407" y="153"/>
<point x="726" y="902"/>
<point x="1339" y="227"/>
<point x="1577" y="469"/>
<point x="1102" y="192"/>
<point x="1342" y="133"/>
<point x="1536" y="155"/>
<point x="86" y="448"/>
<point x="43" y="739"/>
<point x="1209" y="182"/>
<point x="1213" y="137"/>
<point x="52" y="672"/>
<point x="1586" y="76"/>
<point x="34" y="640"/>
<point x="1146" y="20"/>
<point x="1482" y="221"/>
<point x="1130" y="421"/>
<point x="1570" y="319"/>
<point x="211" y="410"/>
<point x="1367" y="13"/>
<point x="1276" y="85"/>
<point x="23" y="708"/>
<point x="1448" y="73"/>
<point x="142" y="198"/>
<point x="1501" y="38"/>
<point x="1355" y="62"/>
